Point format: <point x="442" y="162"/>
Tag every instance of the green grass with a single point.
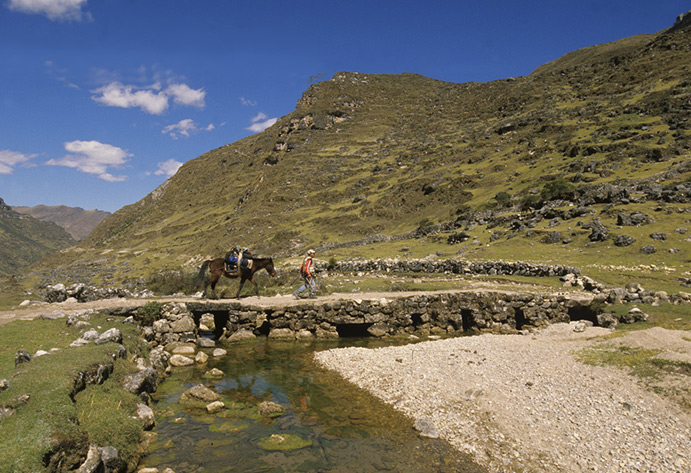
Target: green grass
<point x="51" y="421"/>
<point x="668" y="316"/>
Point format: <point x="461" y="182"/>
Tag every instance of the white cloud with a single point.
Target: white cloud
<point x="185" y="128"/>
<point x="150" y="99"/>
<point x="10" y="159"/>
<point x="168" y="168"/>
<point x="261" y="122"/>
<point x="247" y="102"/>
<point x="57" y="10"/>
<point x="93" y="157"/>
<point x="116" y="94"/>
<point x="184" y="95"/>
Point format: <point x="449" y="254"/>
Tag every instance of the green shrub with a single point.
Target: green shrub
<point x="503" y="199"/>
<point x="557" y="189"/>
<point x="148" y="314"/>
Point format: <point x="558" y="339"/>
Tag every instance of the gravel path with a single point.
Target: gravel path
<point x="522" y="403"/>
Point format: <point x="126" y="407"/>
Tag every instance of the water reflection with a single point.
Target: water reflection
<point x="327" y="425"/>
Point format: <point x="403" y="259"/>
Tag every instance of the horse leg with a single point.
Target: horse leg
<point x="242" y="283"/>
<point x="212" y="282"/>
<point x="256" y="288"/>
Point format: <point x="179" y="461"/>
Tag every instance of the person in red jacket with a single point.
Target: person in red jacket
<point x="307" y="273"/>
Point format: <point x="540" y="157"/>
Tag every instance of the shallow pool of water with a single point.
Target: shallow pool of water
<point x="328" y="424"/>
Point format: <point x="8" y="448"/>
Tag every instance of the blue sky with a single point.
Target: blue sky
<point x="102" y="100"/>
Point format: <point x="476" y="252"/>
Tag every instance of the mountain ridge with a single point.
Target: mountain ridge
<point x="374" y="154"/>
<point x="24" y="240"/>
<point x="75" y="220"/>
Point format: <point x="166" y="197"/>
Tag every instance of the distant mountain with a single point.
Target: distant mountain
<point x="77" y="221"/>
<point x="24" y="240"/>
<point x="556" y="166"/>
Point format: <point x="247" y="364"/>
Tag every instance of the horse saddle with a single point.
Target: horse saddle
<point x="231" y="262"/>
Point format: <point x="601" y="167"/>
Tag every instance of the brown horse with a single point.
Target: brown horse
<point x="217" y="269"/>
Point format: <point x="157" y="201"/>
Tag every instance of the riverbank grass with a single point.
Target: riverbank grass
<point x="49" y="421"/>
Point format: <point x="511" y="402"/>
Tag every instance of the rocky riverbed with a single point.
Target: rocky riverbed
<point x="524" y="403"/>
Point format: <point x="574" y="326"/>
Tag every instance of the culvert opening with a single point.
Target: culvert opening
<point x="520" y="319"/>
<point x="582" y="313"/>
<point x="263" y="329"/>
<point x="220" y="320"/>
<point x="353" y="330"/>
<point x="466" y="319"/>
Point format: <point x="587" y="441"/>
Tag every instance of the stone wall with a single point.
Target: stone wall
<point x="424" y="314"/>
<point x="455" y="266"/>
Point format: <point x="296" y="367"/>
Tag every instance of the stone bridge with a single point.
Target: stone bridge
<point x="379" y="315"/>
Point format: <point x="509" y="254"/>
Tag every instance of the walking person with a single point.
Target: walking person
<point x="307" y="273"/>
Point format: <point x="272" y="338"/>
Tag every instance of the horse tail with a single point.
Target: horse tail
<point x="202" y="271"/>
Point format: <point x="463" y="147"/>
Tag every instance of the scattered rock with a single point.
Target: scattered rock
<point x="144" y="381"/>
<point x="112" y="335"/>
<point x="648" y="250"/>
<point x="218" y="352"/>
<point x="214" y="373"/>
<point x="214" y="407"/>
<point x="199" y="396"/>
<point x="623" y="240"/>
<point x="271" y="409"/>
<point x="146" y="416"/>
<point x="281" y="333"/>
<point x="242" y="335"/>
<point x="180" y="360"/>
<point x="22" y="356"/>
<point x="205" y="342"/>
<point x="426" y="428"/>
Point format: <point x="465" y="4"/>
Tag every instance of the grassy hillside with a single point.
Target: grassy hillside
<point x="25" y="240"/>
<point x="363" y="159"/>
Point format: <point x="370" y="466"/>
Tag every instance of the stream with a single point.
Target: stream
<point x="328" y="425"/>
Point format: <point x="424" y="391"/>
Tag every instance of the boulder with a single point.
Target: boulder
<point x="201" y="358"/>
<point x="180" y="360"/>
<point x="271" y="409"/>
<point x="426" y="428"/>
<point x="218" y="352"/>
<point x="22" y="356"/>
<point x="648" y="250"/>
<point x="159" y="359"/>
<point x="145" y="380"/>
<point x="183" y="325"/>
<point x="281" y="333"/>
<point x="607" y="320"/>
<point x="112" y="335"/>
<point x="214" y="407"/>
<point x="183" y="349"/>
<point x="304" y="335"/>
<point x="146" y="416"/>
<point x="205" y="342"/>
<point x="199" y="396"/>
<point x="242" y="335"/>
<point x="214" y="373"/>
<point x="378" y="330"/>
<point x="91" y="334"/>
<point x="623" y="240"/>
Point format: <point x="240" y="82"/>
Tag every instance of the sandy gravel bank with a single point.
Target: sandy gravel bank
<point x="523" y="403"/>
